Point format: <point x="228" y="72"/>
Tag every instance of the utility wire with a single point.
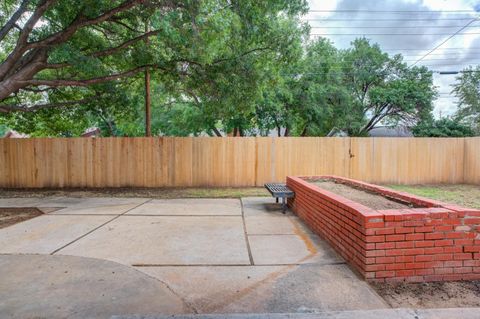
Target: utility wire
<point x="390" y="20"/>
<point x="393" y="34"/>
<point x="393" y="27"/>
<point x="446" y="40"/>
<point x="395" y="11"/>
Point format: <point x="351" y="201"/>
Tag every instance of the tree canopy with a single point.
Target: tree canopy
<point x="245" y="67"/>
<point x="467" y="89"/>
<point x="445" y="127"/>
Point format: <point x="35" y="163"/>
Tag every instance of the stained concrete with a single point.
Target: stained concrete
<point x="308" y="288"/>
<point x="211" y="289"/>
<point x="279" y="249"/>
<point x="189" y="206"/>
<point x="213" y="255"/>
<point x="44" y="234"/>
<point x="166" y="240"/>
<point x="43" y="286"/>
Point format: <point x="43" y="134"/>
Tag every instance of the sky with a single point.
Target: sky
<point x="410" y="27"/>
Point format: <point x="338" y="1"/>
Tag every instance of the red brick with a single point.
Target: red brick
<point x="453" y="263"/>
<point x="425" y="229"/>
<point x="394" y="237"/>
<point x="425" y="243"/>
<point x="404" y="259"/>
<point x="396" y="266"/>
<point x="405" y="273"/>
<point x="415" y="265"/>
<point x="384" y="274"/>
<point x="443" y="271"/>
<point x="419" y="236"/>
<point x="443" y="257"/>
<point x="385" y="231"/>
<point x="385" y="260"/>
<point x="471" y="249"/>
<point x="404" y="244"/>
<point x="444" y="242"/>
<point x="375" y="239"/>
<point x="434" y="236"/>
<point x="424" y="258"/>
<point x="388" y="245"/>
<point x="403" y="230"/>
<point x="463" y="256"/>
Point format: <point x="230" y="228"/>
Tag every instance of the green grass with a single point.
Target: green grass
<point x="460" y="194"/>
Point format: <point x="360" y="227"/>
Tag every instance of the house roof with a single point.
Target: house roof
<point x="385" y="131"/>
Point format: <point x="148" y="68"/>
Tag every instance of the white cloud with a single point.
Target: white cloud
<point x="434" y="28"/>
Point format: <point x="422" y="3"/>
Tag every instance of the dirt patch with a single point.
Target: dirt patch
<point x="431" y="295"/>
<point x="372" y="200"/>
<point x="11" y="216"/>
<point x="158" y="193"/>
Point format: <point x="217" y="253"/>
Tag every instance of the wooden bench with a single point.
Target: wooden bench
<point x="280" y="191"/>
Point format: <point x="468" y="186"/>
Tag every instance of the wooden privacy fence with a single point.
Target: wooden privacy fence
<point x="233" y="161"/>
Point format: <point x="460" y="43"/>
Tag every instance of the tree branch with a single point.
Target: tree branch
<point x="35" y="107"/>
<point x="12" y="22"/>
<point x="81" y="22"/>
<point x="85" y="82"/>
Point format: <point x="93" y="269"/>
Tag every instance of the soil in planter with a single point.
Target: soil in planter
<point x="372" y="200"/>
<point x="11" y="216"/>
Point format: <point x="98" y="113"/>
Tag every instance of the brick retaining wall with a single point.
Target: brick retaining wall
<point x="439" y="242"/>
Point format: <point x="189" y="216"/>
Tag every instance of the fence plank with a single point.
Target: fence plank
<point x="235" y="162"/>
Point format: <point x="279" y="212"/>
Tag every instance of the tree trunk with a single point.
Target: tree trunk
<point x="304" y="132"/>
<point x="217" y="132"/>
<point x="148" y="127"/>
<point x="287" y="131"/>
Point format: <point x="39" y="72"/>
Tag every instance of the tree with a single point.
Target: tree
<point x="50" y="48"/>
<point x="445" y="127"/>
<point x="73" y="50"/>
<point x="467" y="89"/>
<point x="384" y="89"/>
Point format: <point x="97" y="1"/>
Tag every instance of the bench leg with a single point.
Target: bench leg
<point x="284" y="205"/>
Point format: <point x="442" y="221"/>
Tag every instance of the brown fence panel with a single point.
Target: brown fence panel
<point x="251" y="161"/>
<point x="472" y="160"/>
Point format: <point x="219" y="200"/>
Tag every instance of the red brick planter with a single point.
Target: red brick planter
<point x="439" y="242"/>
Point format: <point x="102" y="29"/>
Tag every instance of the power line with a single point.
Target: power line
<point x="393" y="34"/>
<point x="392" y="27"/>
<point x="408" y="49"/>
<point x="395" y="11"/>
<point x="446" y="40"/>
<point x="390" y="20"/>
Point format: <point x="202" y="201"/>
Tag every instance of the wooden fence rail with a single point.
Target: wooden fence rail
<point x="250" y="161"/>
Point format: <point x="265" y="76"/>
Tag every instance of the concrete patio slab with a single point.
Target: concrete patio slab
<point x="97" y="210"/>
<point x="166" y="240"/>
<point x="44" y="234"/>
<point x="269" y="225"/>
<point x="43" y="286"/>
<point x="189" y="206"/>
<point x="210" y="289"/>
<point x="262" y="206"/>
<point x="309" y="288"/>
<point x="280" y="249"/>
